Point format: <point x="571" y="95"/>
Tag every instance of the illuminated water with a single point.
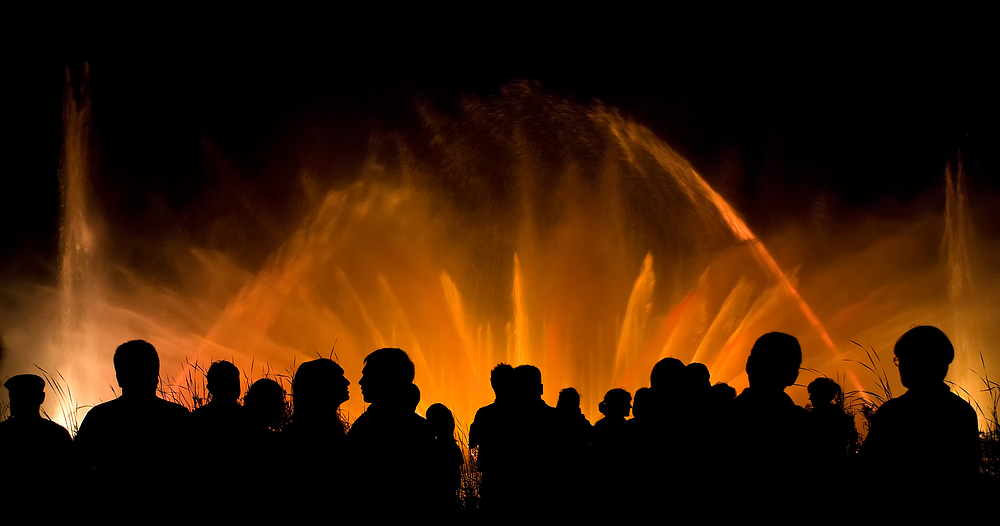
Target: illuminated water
<point x="527" y="229"/>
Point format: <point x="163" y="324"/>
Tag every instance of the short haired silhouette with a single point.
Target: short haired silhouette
<point x="223" y="430"/>
<point x="223" y="381"/>
<point x="668" y="373"/>
<point x="770" y="430"/>
<point x="127" y="444"/>
<point x="36" y="452"/>
<point x="392" y="445"/>
<point x="774" y="361"/>
<point x="137" y="366"/>
<point x="927" y="440"/>
<point x="490" y="436"/>
<point x="502" y="380"/>
<point x="387" y="371"/>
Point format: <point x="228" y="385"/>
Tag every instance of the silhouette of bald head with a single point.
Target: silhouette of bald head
<point x="223" y="381"/>
<point x="27" y="392"/>
<point x="137" y="367"/>
<point x="923" y="354"/>
<point x="774" y="361"/>
<point x="386" y="376"/>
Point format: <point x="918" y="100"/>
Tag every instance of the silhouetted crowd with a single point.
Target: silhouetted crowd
<point x="690" y="452"/>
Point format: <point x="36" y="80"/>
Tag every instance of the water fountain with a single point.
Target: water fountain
<point x="525" y="229"/>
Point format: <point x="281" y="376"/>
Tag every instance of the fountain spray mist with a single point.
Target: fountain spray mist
<point x="525" y="228"/>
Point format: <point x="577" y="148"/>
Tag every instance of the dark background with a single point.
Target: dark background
<point x="778" y="110"/>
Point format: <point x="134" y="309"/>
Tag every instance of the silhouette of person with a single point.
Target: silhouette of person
<point x="610" y="431"/>
<point x="316" y="433"/>
<point x="535" y="456"/>
<point x="266" y="412"/>
<point x="265" y="407"/>
<point x="612" y="440"/>
<point x="575" y="426"/>
<point x="446" y="475"/>
<point x="36" y="451"/>
<point x="576" y="437"/>
<point x="391" y="444"/>
<point x="832" y="435"/>
<point x="222" y="426"/>
<point x="662" y="439"/>
<point x="490" y="435"/>
<point x="927" y="440"/>
<point x="769" y="428"/>
<point x="132" y="446"/>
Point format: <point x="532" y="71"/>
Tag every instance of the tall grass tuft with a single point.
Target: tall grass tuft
<point x="867" y="402"/>
<point x="468" y="491"/>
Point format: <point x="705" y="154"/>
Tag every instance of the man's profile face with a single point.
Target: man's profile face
<point x="369" y="383"/>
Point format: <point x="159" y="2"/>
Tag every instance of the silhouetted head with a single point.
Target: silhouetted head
<point x="27" y="392"/>
<point x="442" y="421"/>
<point x="528" y="380"/>
<point x="502" y="381"/>
<point x="668" y="374"/>
<point x="386" y="376"/>
<point x="137" y="367"/>
<point x="265" y="402"/>
<point x="223" y="382"/>
<point x="319" y="387"/>
<point x="569" y="401"/>
<point x="823" y="391"/>
<point x="617" y="403"/>
<point x="923" y="354"/>
<point x="641" y="402"/>
<point x="698" y="377"/>
<point x="774" y="361"/>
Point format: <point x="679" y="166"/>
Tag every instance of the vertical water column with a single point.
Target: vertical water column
<point x="77" y="237"/>
<point x="967" y="326"/>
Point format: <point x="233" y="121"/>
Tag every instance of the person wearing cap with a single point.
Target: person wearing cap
<point x="926" y="441"/>
<point x="36" y="450"/>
